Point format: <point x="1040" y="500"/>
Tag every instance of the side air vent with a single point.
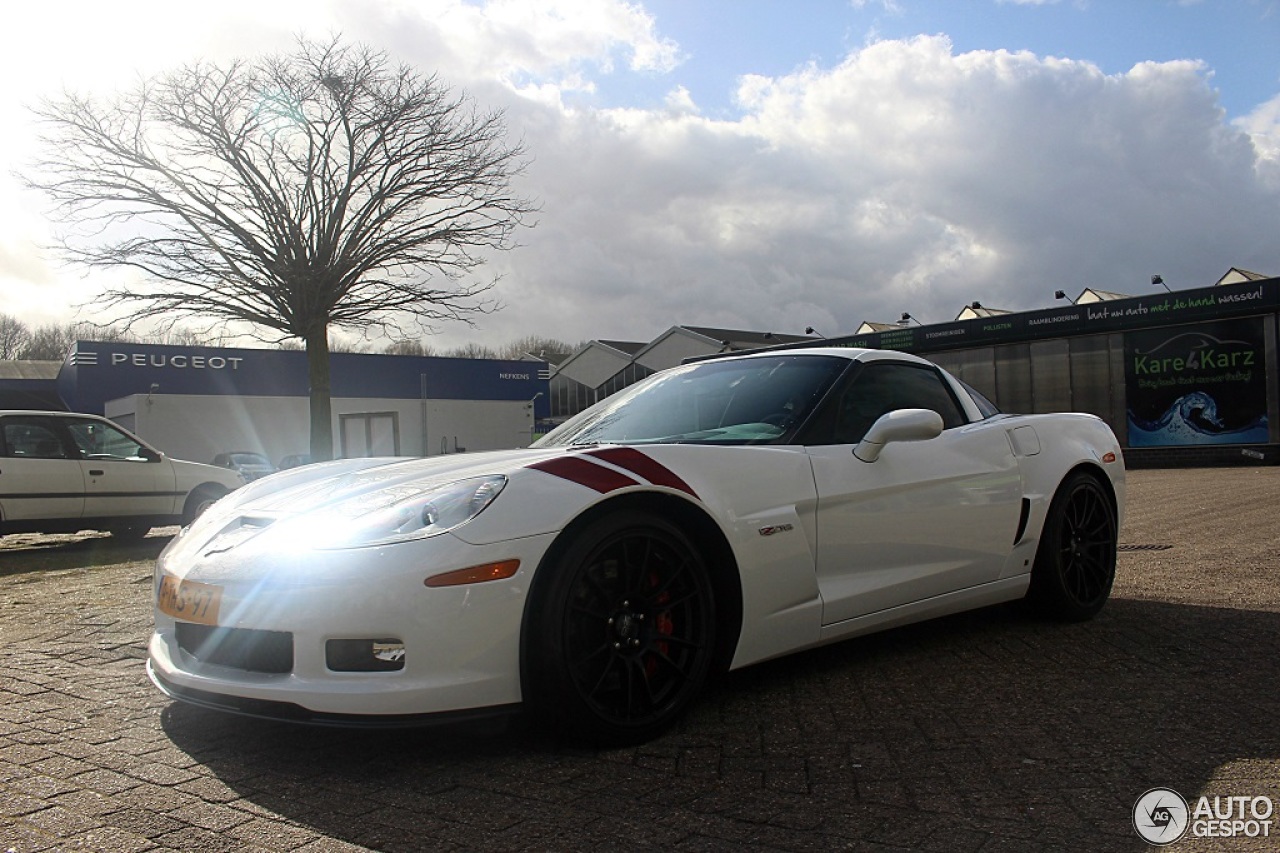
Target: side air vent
<point x="1022" y="520"/>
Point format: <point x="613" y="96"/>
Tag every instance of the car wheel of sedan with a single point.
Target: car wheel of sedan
<point x="1076" y="561"/>
<point x="200" y="500"/>
<point x="622" y="630"/>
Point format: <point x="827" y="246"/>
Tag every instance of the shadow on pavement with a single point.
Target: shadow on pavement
<point x="21" y="553"/>
<point x="987" y="725"/>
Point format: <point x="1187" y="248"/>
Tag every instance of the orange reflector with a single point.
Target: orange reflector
<point x="1108" y="457"/>
<point x="475" y="574"/>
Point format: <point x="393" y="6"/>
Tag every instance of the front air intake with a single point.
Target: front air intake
<point x="364" y="655"/>
<point x="239" y="648"/>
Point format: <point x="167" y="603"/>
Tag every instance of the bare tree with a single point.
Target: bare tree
<point x="52" y="341"/>
<point x="349" y="346"/>
<point x="49" y="342"/>
<point x="181" y="336"/>
<point x="537" y="346"/>
<point x="471" y="350"/>
<point x="14" y="334"/>
<point x="298" y="192"/>
<point x="534" y="345"/>
<point x="408" y="346"/>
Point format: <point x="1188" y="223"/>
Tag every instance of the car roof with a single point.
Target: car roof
<point x="848" y="353"/>
<point x="50" y="413"/>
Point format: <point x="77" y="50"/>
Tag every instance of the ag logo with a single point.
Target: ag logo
<point x="1160" y="816"/>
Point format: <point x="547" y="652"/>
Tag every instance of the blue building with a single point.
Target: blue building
<point x="197" y="402"/>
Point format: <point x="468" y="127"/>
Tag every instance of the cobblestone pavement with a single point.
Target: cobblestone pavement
<point x="986" y="731"/>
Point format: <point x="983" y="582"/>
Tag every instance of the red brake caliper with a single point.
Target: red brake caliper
<point x="663" y="625"/>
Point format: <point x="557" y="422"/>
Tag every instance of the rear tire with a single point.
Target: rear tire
<point x="622" y="630"/>
<point x="130" y="533"/>
<point x="1076" y="560"/>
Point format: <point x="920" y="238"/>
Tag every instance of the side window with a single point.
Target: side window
<point x="96" y="440"/>
<point x="882" y="387"/>
<point x="28" y="438"/>
<point x="985" y="406"/>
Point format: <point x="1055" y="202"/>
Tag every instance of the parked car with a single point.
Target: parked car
<point x="62" y="472"/>
<point x="712" y="516"/>
<point x="249" y="465"/>
<point x="293" y="461"/>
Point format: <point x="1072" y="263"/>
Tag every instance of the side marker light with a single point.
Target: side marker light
<point x="475" y="574"/>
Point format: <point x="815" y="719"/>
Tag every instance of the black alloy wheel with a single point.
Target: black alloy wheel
<point x="1076" y="561"/>
<point x="625" y="630"/>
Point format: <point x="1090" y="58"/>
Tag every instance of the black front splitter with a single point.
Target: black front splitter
<point x="290" y="712"/>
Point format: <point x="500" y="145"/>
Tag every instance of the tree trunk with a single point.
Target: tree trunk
<point x="321" y="403"/>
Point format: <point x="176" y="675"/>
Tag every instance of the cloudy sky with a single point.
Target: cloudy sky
<point x="769" y="165"/>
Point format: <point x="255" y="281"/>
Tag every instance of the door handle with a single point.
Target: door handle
<point x="96" y="472"/>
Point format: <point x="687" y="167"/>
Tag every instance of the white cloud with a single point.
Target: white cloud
<point x="539" y="49"/>
<point x="905" y="178"/>
<point x="1263" y="127"/>
<point x="530" y="46"/>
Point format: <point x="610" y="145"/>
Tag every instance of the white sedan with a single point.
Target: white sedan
<point x="713" y="516"/>
<point x="63" y="471"/>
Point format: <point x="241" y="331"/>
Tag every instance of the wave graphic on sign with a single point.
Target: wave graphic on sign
<point x="1193" y="419"/>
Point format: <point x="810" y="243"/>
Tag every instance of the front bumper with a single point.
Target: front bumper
<point x="461" y="644"/>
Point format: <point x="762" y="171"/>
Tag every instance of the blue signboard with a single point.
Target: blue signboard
<point x="96" y="372"/>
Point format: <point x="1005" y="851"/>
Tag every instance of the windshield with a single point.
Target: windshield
<point x="248" y="459"/>
<point x="739" y="401"/>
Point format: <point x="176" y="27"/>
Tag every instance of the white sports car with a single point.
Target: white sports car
<point x="715" y="515"/>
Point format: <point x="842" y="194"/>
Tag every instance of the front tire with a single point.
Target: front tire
<point x="1076" y="560"/>
<point x="622" y="630"/>
<point x="200" y="499"/>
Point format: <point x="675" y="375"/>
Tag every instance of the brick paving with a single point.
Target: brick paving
<point x="987" y="731"/>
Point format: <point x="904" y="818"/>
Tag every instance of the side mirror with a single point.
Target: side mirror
<point x="150" y="455"/>
<point x="898" y="425"/>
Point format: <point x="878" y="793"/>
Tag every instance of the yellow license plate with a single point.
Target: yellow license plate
<point x="190" y="601"/>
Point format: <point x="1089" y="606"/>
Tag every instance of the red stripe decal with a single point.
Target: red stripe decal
<point x="644" y="465"/>
<point x="585" y="473"/>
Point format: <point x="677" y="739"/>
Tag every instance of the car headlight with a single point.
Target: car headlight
<point x="402" y="512"/>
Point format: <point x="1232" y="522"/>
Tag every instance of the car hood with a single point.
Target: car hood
<point x="305" y="489"/>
